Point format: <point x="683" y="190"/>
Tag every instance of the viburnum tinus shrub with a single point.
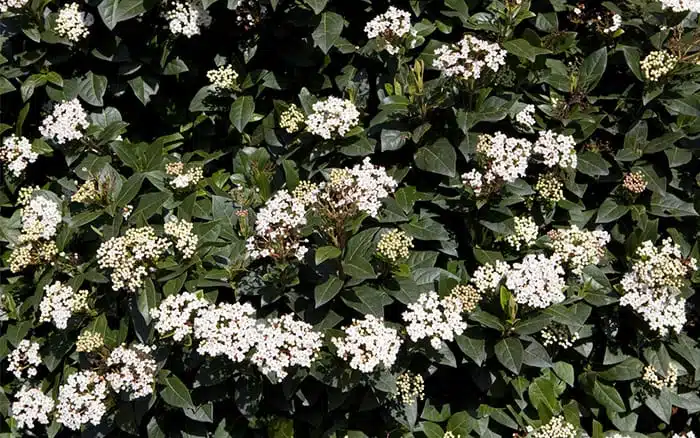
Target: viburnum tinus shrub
<point x="330" y="218"/>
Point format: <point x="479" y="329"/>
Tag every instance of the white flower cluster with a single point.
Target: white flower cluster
<point x="526" y="116"/>
<point x="537" y="281"/>
<point x="410" y="387"/>
<point x="89" y="341"/>
<point x="6" y="5"/>
<point x="556" y="149"/>
<point x="24" y="359"/>
<point x="292" y="119"/>
<point x="559" y="335"/>
<point x="550" y="187"/>
<point x="187" y="17"/>
<point x="17" y="153"/>
<point x="390" y="26"/>
<point x="332" y="117"/>
<point x="129" y="256"/>
<point x="368" y="344"/>
<point x="684" y="435"/>
<point x="132" y="370"/>
<point x="175" y="314"/>
<point x="653" y="378"/>
<point x="65" y="123"/>
<point x="226" y="330"/>
<point x="81" y="400"/>
<point x="557" y="427"/>
<point x="468" y="58"/>
<point x="616" y="24"/>
<point x="60" y="302"/>
<point x="658" y="64"/>
<point x="525" y="233"/>
<point x="395" y="245"/>
<point x="277" y="228"/>
<point x="183" y="235"/>
<point x="182" y="178"/>
<point x="40" y="219"/>
<point x="73" y="24"/>
<point x="579" y="248"/>
<point x="283" y="343"/>
<point x="435" y="318"/>
<point x="223" y="78"/>
<point x="681" y="5"/>
<point x="30" y="406"/>
<point x="360" y="188"/>
<point x="505" y="158"/>
<point x="487" y="277"/>
<point x="651" y="287"/>
<point x="473" y="179"/>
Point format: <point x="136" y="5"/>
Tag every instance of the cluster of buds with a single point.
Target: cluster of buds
<point x="550" y="188"/>
<point x="394" y="245"/>
<point x="183" y="178"/>
<point x="468" y="295"/>
<point x="635" y="182"/>
<point x="410" y="387"/>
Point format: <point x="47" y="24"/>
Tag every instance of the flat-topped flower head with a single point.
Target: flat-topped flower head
<point x="24" y="360"/>
<point x="556" y="149"/>
<point x="657" y="65"/>
<point x="60" y="302"/>
<point x="16" y="152"/>
<point x="226" y="330"/>
<point x="537" y="281"/>
<point x="12" y="5"/>
<point x="81" y="400"/>
<point x="681" y="5"/>
<point x="223" y="78"/>
<point x="72" y="23"/>
<point x="579" y="248"/>
<point x="283" y="343"/>
<point x="175" y="314"/>
<point x="434" y="318"/>
<point x="394" y="245"/>
<point x="470" y="58"/>
<point x="332" y="117"/>
<point x="187" y="18"/>
<point x="368" y="345"/>
<point x="132" y="370"/>
<point x="390" y="27"/>
<point x="67" y="122"/>
<point x="31" y="406"/>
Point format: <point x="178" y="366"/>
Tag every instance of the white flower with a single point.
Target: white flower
<point x="226" y="330"/>
<point x="684" y="435"/>
<point x="395" y="245"/>
<point x="615" y="26"/>
<point x="526" y="115"/>
<point x="658" y="64"/>
<point x="557" y="427"/>
<point x="505" y="158"/>
<point x="410" y="387"/>
<point x="73" y="24"/>
<point x="187" y="17"/>
<point x="277" y="228"/>
<point x="681" y="5"/>
<point x="537" y="281"/>
<point x="525" y="233"/>
<point x="176" y="313"/>
<point x="40" y="219"/>
<point x="24" y="359"/>
<point x="390" y="27"/>
<point x="132" y="370"/>
<point x="468" y="58"/>
<point x="182" y="178"/>
<point x="654" y="379"/>
<point x="559" y="335"/>
<point x="81" y="400"/>
<point x="360" y="188"/>
<point x="59" y="303"/>
<point x="652" y="286"/>
<point x="579" y="248"/>
<point x="487" y="277"/>
<point x="129" y="256"/>
<point x="17" y="153"/>
<point x="292" y="119"/>
<point x="6" y="5"/>
<point x="223" y="78"/>
<point x="556" y="149"/>
<point x="283" y="343"/>
<point x="332" y="117"/>
<point x="65" y="123"/>
<point x="368" y="344"/>
<point x="473" y="179"/>
<point x="30" y="406"/>
<point x="183" y="235"/>
<point x="434" y="318"/>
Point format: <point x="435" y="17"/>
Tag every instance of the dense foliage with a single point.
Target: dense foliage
<point x="349" y="217"/>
